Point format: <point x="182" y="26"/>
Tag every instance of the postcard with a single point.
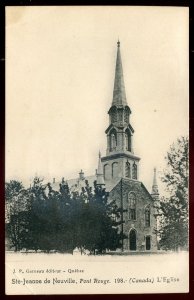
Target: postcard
<point x="96" y="192"/>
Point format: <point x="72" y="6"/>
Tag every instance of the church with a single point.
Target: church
<point x="118" y="172"/>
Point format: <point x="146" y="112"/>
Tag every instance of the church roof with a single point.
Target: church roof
<point x="119" y="95"/>
<point x="110" y="184"/>
<point x="75" y="184"/>
<point x="127" y="181"/>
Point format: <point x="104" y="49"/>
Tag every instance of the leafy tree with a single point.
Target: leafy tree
<point x="62" y="220"/>
<point x="66" y="224"/>
<point x="174" y="209"/>
<point x="99" y="228"/>
<point x="37" y="216"/>
<point x="16" y="205"/>
<point x="49" y="222"/>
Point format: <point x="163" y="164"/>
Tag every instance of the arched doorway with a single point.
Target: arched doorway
<point x="132" y="240"/>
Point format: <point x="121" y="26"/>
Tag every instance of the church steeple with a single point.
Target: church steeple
<point x="119" y="95"/>
<point x="120" y="160"/>
<point x="120" y="130"/>
<point x="99" y="174"/>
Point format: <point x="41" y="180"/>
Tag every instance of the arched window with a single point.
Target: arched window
<point x="126" y="116"/>
<point x="114" y="170"/>
<point x="134" y="171"/>
<point x="147" y="216"/>
<point x="132" y="206"/>
<point x="106" y="171"/>
<point x="128" y="140"/>
<point x="127" y="170"/>
<point x="113" y="141"/>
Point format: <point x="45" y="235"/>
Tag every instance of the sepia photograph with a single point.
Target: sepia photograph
<point x="97" y="147"/>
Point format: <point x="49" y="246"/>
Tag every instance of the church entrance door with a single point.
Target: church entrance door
<point x="132" y="240"/>
<point x="148" y="243"/>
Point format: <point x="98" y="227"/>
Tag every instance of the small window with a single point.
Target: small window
<point x="127" y="170"/>
<point x="126" y="116"/>
<point x="128" y="141"/>
<point x="113" y="141"/>
<point x="134" y="171"/>
<point x="147" y="216"/>
<point x="133" y="214"/>
<point x="132" y="206"/>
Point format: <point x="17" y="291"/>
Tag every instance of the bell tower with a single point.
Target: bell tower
<point x="120" y="160"/>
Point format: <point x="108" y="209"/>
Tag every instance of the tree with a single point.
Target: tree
<point x="16" y="205"/>
<point x="45" y="219"/>
<point x="173" y="230"/>
<point x="99" y="228"/>
<point x="49" y="223"/>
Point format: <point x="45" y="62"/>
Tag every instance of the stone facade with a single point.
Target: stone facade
<point x="139" y="217"/>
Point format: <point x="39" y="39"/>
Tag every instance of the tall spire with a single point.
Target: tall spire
<point x="119" y="96"/>
<point x="100" y="175"/>
<point x="155" y="193"/>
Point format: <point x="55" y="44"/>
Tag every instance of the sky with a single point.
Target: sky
<point x="60" y="64"/>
